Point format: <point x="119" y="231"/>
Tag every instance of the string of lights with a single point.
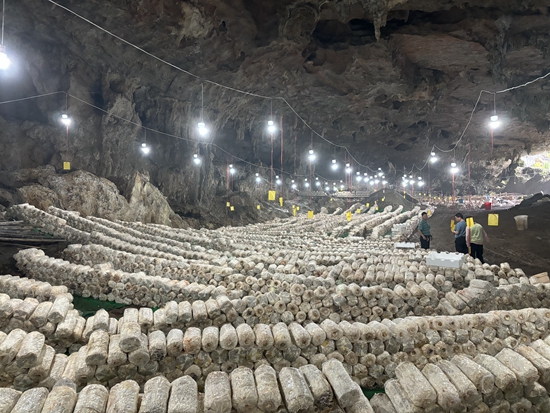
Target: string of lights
<point x="244" y="92"/>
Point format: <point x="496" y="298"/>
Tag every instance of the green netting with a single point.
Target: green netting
<point x="371" y="392"/>
<point x="89" y="306"/>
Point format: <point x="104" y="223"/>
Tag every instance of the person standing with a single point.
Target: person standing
<point x="475" y="237"/>
<point x="460" y="234"/>
<point x="424" y="231"/>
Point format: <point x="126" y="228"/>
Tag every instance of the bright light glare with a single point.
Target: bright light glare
<point x="377" y="182"/>
<point x="454" y="170"/>
<point x="421" y="184"/>
<point x="317" y="183"/>
<point x="293" y="186"/>
<point x="334" y="166"/>
<point x="311" y="155"/>
<point x="341" y="186"/>
<point x="258" y="179"/>
<point x="359" y="179"/>
<point x="65" y="120"/>
<point x="232" y="170"/>
<point x="327" y="188"/>
<point x="307" y="185"/>
<point x="271" y="126"/>
<point x="384" y="182"/>
<point x="278" y="182"/>
<point x="203" y="131"/>
<point x="404" y="184"/>
<point x="494" y="124"/>
<point x="196" y="159"/>
<point x="145" y="149"/>
<point x="4" y="59"/>
<point x="494" y="118"/>
<point x="348" y="170"/>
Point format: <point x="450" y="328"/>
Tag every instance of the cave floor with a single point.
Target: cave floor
<point x="528" y="249"/>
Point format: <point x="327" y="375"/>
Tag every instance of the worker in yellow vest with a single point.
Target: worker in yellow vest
<point x="475" y="237"/>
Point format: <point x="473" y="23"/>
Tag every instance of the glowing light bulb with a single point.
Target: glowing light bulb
<point x="232" y="170"/>
<point x="334" y="165"/>
<point x="65" y="120"/>
<point x="495" y="123"/>
<point x="307" y="185"/>
<point x="311" y="155"/>
<point x="271" y="126"/>
<point x="293" y="186"/>
<point x="359" y="179"/>
<point x="4" y="59"/>
<point x="327" y="188"/>
<point x="341" y="186"/>
<point x="145" y="149"/>
<point x="384" y="182"/>
<point x="196" y="159"/>
<point x="203" y="130"/>
<point x="494" y="118"/>
<point x="258" y="179"/>
<point x="317" y="183"/>
<point x="404" y="184"/>
<point x="454" y="168"/>
<point x="278" y="182"/>
<point x="377" y="182"/>
<point x="421" y="184"/>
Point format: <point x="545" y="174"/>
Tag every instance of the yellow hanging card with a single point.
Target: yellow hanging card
<point x="452" y="224"/>
<point x="297" y="208"/>
<point x="469" y="222"/>
<point x="271" y="195"/>
<point x="348" y="216"/>
<point x="358" y="211"/>
<point x="367" y="205"/>
<point x="493" y="220"/>
<point x="429" y="214"/>
<point x="281" y="201"/>
<point x="258" y="207"/>
<point x="294" y="211"/>
<point x="232" y="208"/>
<point x="228" y="204"/>
<point x="330" y="199"/>
<point x="66" y="166"/>
<point x="383" y="199"/>
<point x="310" y="214"/>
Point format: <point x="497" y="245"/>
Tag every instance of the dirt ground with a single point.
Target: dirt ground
<point x="528" y="250"/>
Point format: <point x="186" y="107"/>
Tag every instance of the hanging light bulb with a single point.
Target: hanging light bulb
<point x="307" y="185"/>
<point x="421" y="183"/>
<point x="404" y="184"/>
<point x="454" y="168"/>
<point x="334" y="165"/>
<point x="4" y="59"/>
<point x="495" y="123"/>
<point x="348" y="168"/>
<point x="196" y="159"/>
<point x="317" y="183"/>
<point x="311" y="155"/>
<point x="278" y="182"/>
<point x="433" y="158"/>
<point x="258" y="179"/>
<point x="203" y="130"/>
<point x="145" y="149"/>
<point x="359" y="178"/>
<point x="384" y="182"/>
<point x="293" y="186"/>
<point x="327" y="188"/>
<point x="232" y="170"/>
<point x="271" y="128"/>
<point x="65" y="119"/>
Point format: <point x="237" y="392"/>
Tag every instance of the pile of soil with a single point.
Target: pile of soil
<point x="528" y="249"/>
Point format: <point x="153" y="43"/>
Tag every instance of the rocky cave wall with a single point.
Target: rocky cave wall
<point x="388" y="79"/>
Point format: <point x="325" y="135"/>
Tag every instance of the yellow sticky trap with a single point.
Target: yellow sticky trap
<point x="429" y="214"/>
<point x="358" y="211"/>
<point x="228" y="204"/>
<point x="271" y="195"/>
<point x="367" y="205"/>
<point x="258" y="207"/>
<point x="297" y="208"/>
<point x="66" y="166"/>
<point x="383" y="199"/>
<point x="232" y="208"/>
<point x="310" y="214"/>
<point x="281" y="201"/>
<point x="348" y="216"/>
<point x="492" y="220"/>
<point x="469" y="222"/>
<point x="293" y="211"/>
<point x="330" y="199"/>
<point x="452" y="225"/>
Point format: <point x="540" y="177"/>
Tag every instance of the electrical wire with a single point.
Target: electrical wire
<point x="209" y="81"/>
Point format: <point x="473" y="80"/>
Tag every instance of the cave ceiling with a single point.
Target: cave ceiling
<point x="388" y="79"/>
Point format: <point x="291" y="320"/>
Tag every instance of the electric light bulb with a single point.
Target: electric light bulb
<point x="258" y="179"/>
<point x="278" y="182"/>
<point x="4" y="59"/>
<point x="494" y="118"/>
<point x="404" y="185"/>
<point x="293" y="186"/>
<point x="307" y="185"/>
<point x="421" y="183"/>
<point x="232" y="170"/>
<point x="196" y="159"/>
<point x="203" y="130"/>
<point x="359" y="179"/>
<point x="341" y="186"/>
<point x="377" y="182"/>
<point x="65" y="120"/>
<point x="317" y="183"/>
<point x="348" y="170"/>
<point x="327" y="188"/>
<point x="311" y="155"/>
<point x="384" y="183"/>
<point x="145" y="149"/>
<point x="271" y="126"/>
